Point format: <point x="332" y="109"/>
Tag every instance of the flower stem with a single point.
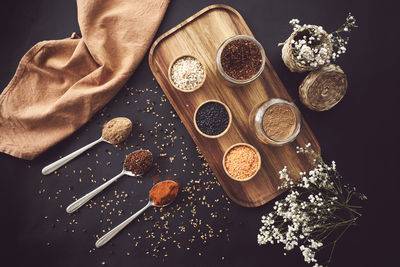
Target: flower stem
<point x="337" y="239"/>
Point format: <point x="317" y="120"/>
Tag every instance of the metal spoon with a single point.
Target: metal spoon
<point x="57" y="164"/>
<point x="121" y="125"/>
<point x="107" y="237"/>
<point x="80" y="202"/>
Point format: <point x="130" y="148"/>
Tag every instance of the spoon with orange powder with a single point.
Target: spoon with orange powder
<point x="161" y="194"/>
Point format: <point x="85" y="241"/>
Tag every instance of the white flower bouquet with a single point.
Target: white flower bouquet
<point x="310" y="47"/>
<point x="316" y="212"/>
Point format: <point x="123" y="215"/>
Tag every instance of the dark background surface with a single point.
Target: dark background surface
<point x="360" y="134"/>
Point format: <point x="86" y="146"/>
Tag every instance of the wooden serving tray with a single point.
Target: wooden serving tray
<point x="200" y="36"/>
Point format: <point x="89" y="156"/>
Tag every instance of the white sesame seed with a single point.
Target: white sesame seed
<point x="187" y="73"/>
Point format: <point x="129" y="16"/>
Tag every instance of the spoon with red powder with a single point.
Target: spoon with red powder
<point x="136" y="164"/>
<point x="161" y="195"/>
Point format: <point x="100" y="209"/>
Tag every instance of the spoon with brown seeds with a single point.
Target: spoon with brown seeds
<point x="136" y="164"/>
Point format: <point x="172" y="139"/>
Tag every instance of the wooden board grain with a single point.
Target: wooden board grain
<point x="200" y="36"/>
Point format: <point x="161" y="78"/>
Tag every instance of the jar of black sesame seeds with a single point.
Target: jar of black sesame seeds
<point x="212" y="118"/>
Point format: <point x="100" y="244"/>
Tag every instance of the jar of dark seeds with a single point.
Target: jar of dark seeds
<point x="212" y="118"/>
<point x="240" y="60"/>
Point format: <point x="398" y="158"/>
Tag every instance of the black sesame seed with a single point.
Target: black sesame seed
<point x="212" y="118"/>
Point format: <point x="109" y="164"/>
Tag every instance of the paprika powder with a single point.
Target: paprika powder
<point x="164" y="192"/>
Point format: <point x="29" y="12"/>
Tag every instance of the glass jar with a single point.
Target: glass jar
<point x="230" y="80"/>
<point x="256" y="120"/>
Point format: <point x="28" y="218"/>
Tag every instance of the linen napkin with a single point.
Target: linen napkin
<point x="60" y="84"/>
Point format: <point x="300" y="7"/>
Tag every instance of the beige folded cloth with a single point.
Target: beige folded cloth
<point x="60" y="84"/>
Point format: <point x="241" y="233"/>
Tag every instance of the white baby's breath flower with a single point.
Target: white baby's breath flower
<point x="294" y="21"/>
<point x="324" y="48"/>
<point x="298" y="220"/>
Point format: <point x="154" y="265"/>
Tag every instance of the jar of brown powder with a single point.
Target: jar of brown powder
<point x="275" y="121"/>
<point x="240" y="60"/>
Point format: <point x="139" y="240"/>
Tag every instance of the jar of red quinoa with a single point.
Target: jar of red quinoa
<point x="240" y="60"/>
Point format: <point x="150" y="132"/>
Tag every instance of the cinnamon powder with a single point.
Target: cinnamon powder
<point x="279" y="122"/>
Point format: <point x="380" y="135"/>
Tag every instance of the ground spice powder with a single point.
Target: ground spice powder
<point x="242" y="162"/>
<point x="241" y="59"/>
<point x="164" y="192"/>
<point x="279" y="122"/>
<point x="117" y="130"/>
<point x="138" y="162"/>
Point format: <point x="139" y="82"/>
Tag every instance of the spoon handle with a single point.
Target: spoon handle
<point x="107" y="237"/>
<point x="57" y="164"/>
<point x="80" y="202"/>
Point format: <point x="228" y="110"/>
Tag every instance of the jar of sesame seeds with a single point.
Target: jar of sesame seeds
<point x="186" y="73"/>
